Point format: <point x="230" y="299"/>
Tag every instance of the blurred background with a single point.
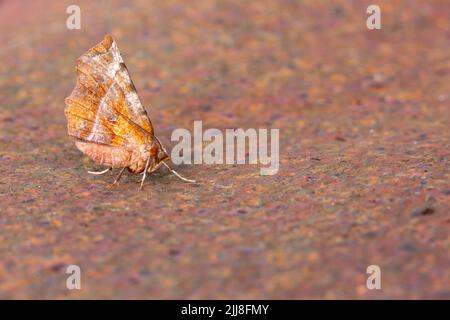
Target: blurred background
<point x="364" y="150"/>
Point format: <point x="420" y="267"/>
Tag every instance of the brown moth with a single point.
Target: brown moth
<point x="107" y="119"/>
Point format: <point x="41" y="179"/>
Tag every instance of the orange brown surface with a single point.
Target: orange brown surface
<point x="364" y="150"/>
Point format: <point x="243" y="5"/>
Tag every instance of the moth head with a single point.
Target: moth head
<point x="155" y="153"/>
<point x="160" y="152"/>
<point x="162" y="155"/>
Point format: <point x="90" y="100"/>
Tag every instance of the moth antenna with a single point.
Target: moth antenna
<point x="177" y="174"/>
<point x="100" y="172"/>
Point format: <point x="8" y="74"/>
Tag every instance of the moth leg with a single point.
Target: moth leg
<point x="118" y="176"/>
<point x="100" y="172"/>
<point x="144" y="173"/>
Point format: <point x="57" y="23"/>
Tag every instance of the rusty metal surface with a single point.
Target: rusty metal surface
<point x="364" y="134"/>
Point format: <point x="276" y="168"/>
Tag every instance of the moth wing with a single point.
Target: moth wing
<point x="104" y="106"/>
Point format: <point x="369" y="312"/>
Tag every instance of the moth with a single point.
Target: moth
<point x="107" y="119"/>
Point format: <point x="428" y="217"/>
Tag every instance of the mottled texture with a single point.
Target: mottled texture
<point x="107" y="118"/>
<point x="364" y="139"/>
